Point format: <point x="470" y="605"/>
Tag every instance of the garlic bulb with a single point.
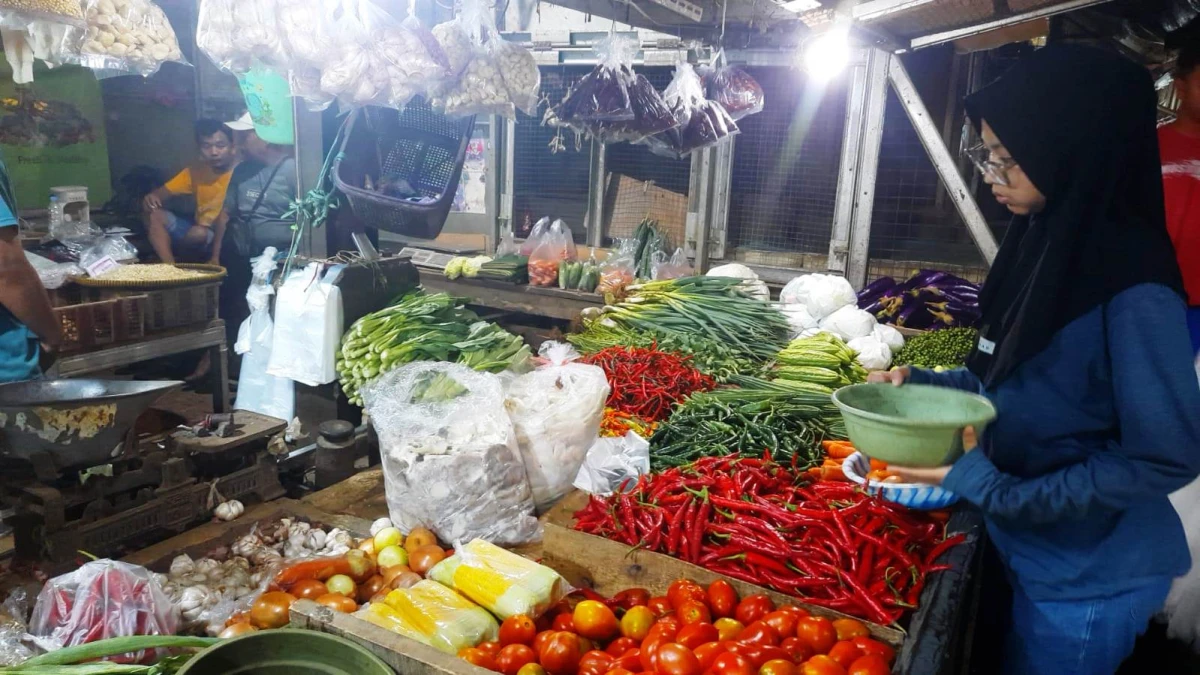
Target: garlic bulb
<point x="380" y="524"/>
<point x="207" y="566"/>
<point x="315" y="540"/>
<point x="247" y="546"/>
<point x="229" y="510"/>
<point x="339" y="538"/>
<point x="182" y="565"/>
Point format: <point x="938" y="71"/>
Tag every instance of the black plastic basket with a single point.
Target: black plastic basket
<point x="420" y="146"/>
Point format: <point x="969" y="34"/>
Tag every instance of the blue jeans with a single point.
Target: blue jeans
<point x="1079" y="637"/>
<point x="1193" y="319"/>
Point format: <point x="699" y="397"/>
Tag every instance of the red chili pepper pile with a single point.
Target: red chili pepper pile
<point x="757" y="521"/>
<point x="646" y="383"/>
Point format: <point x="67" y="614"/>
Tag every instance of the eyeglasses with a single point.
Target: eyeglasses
<point x="981" y="156"/>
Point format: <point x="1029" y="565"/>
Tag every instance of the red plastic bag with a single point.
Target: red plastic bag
<point x="102" y="599"/>
<point x="557" y="245"/>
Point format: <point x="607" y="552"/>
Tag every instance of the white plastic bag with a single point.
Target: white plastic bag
<point x="450" y="456"/>
<point x="126" y="36"/>
<point x="821" y="294"/>
<point x="556" y="412"/>
<point x="488" y="74"/>
<point x="259" y="391"/>
<point x="799" y="320"/>
<point x="889" y="336"/>
<point x="217" y="35"/>
<point x="110" y="246"/>
<point x="614" y="463"/>
<point x="308" y="326"/>
<point x="849" y="322"/>
<point x="873" y="354"/>
<point x="753" y="286"/>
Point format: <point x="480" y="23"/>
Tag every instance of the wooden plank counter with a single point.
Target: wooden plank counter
<point x="554" y="303"/>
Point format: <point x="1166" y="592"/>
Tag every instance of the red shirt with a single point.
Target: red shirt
<point x="1181" y="185"/>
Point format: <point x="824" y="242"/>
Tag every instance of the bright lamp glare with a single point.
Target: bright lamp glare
<point x="826" y="55"/>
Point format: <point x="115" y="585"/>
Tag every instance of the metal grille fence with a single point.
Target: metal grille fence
<point x="785" y="167"/>
<point x="546" y="183"/>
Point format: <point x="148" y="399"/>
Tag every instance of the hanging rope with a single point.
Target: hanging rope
<point x="312" y="210"/>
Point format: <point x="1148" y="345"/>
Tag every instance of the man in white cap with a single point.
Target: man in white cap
<point x="261" y="191"/>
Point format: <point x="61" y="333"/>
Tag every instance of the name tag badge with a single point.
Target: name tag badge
<point x="987" y="346"/>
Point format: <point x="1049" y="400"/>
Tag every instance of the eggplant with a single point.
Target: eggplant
<point x="875" y="290"/>
<point x="915" y="315"/>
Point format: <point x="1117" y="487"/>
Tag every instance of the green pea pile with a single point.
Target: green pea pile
<point x="945" y="348"/>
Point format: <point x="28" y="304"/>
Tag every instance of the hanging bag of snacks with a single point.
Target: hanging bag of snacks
<point x="122" y="36"/>
<point x="216" y="35"/>
<point x="489" y="75"/>
<point x="18" y="14"/>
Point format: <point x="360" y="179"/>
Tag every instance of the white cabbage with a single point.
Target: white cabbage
<point x="849" y="322"/>
<point x="873" y="353"/>
<point x="821" y="294"/>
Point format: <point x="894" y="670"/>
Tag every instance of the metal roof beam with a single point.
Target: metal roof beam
<point x="968" y="31"/>
<point x="874" y="10"/>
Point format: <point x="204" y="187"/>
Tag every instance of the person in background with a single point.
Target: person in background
<point x="1084" y="351"/>
<point x="1179" y="144"/>
<point x="26" y="320"/>
<point x="206" y="180"/>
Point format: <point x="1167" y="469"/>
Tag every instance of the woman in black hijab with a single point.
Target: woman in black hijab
<point x="1084" y="351"/>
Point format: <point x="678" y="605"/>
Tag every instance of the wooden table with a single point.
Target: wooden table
<point x="554" y="303"/>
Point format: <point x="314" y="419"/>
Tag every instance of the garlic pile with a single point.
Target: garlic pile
<point x="229" y="510"/>
<point x="125" y="35"/>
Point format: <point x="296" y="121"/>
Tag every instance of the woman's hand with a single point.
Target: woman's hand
<point x="936" y="475"/>
<point x="896" y="376"/>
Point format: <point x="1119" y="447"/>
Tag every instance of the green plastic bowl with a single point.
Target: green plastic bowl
<point x="912" y="425"/>
<point x="286" y="652"/>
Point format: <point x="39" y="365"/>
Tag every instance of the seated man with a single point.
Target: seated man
<point x="206" y="180"/>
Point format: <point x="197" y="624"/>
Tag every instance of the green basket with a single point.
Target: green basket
<point x="269" y="102"/>
<point x="912" y="425"/>
<point x="286" y="652"/>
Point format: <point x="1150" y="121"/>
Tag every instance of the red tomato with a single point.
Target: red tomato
<point x="729" y="628"/>
<point x="630" y="660"/>
<point x="666" y="627"/>
<point x="871" y="664"/>
<point x="541" y="639"/>
<point x="696" y="634"/>
<point x="758" y="654"/>
<point x="649" y="650"/>
<point x="564" y="622"/>
<point x="795" y="611"/>
<point x="783" y="622"/>
<point x="683" y="590"/>
<point x="595" y="662"/>
<point x="675" y="659"/>
<point x="707" y="653"/>
<point x="586" y="645"/>
<point x="777" y="667"/>
<point x="848" y="629"/>
<point x="594" y="620"/>
<point x="560" y="655"/>
<point x="532" y="669"/>
<point x="752" y="608"/>
<point x="513" y="657"/>
<point x="631" y="597"/>
<point x="518" y="629"/>
<point x="732" y="664"/>
<point x="870" y="646"/>
<point x="796" y="648"/>
<point x="818" y="632"/>
<point x="845" y="653"/>
<point x="621" y="645"/>
<point x="759" y="633"/>
<point x="637" y="622"/>
<point x="491" y="647"/>
<point x="660" y="605"/>
<point x="478" y="657"/>
<point x="821" y="665"/>
<point x="722" y="598"/>
<point x="620" y="671"/>
<point x="692" y="611"/>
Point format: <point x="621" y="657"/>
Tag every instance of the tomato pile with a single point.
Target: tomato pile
<point x="690" y="631"/>
<point x="831" y="544"/>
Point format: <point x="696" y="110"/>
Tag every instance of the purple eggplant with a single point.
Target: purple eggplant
<point x="915" y="315"/>
<point x="875" y="290"/>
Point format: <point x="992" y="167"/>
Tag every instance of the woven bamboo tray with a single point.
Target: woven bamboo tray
<point x="212" y="273"/>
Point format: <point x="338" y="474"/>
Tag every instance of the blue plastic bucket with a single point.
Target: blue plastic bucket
<point x="269" y="101"/>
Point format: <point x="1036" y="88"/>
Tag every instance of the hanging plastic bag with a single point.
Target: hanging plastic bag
<point x="603" y="94"/>
<point x="507" y="246"/>
<point x="18" y="14"/>
<point x="675" y="267"/>
<point x="556" y="412"/>
<point x="737" y="92"/>
<point x="123" y="36"/>
<point x="617" y="271"/>
<point x="257" y="390"/>
<point x="257" y="33"/>
<point x="612" y="464"/>
<point x="651" y="115"/>
<point x="535" y="236"/>
<point x="13" y="628"/>
<point x="557" y="245"/>
<point x="702" y="123"/>
<point x="521" y="75"/>
<point x="217" y="35"/>
<point x="102" y="599"/>
<point x="308" y="326"/>
<point x="473" y="48"/>
<point x="450" y="457"/>
<point x="357" y="72"/>
<point x="307" y="41"/>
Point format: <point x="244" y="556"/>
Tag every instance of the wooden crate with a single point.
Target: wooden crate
<point x="95" y="324"/>
<point x="168" y="308"/>
<point x="627" y="201"/>
<point x="607" y="567"/>
<point x="404" y="655"/>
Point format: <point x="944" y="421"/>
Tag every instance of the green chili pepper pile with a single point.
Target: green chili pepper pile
<point x="711" y="357"/>
<point x="944" y="348"/>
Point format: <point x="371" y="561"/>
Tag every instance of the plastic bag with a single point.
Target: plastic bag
<point x="820" y="294"/>
<point x="216" y="35"/>
<point x="257" y="33"/>
<point x="612" y="463"/>
<point x="480" y="60"/>
<point x="308" y="326"/>
<point x="507" y="246"/>
<point x="799" y="320"/>
<point x="434" y="615"/>
<point x="102" y="599"/>
<point x="617" y="271"/>
<point x="603" y="94"/>
<point x="52" y="274"/>
<point x="18" y="14"/>
<point x="13" y="629"/>
<point x="752" y="286"/>
<point x="357" y="70"/>
<point x="131" y="36"/>
<point x="535" y="237"/>
<point x="257" y="390"/>
<point x="675" y="267"/>
<point x="111" y="246"/>
<point x="501" y="582"/>
<point x="736" y="91"/>
<point x="873" y="354"/>
<point x="702" y="123"/>
<point x="556" y="412"/>
<point x="450" y="456"/>
<point x="889" y="336"/>
<point x="556" y="245"/>
<point x="849" y="322"/>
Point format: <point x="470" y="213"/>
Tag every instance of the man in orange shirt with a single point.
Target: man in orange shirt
<point x="206" y="180"/>
<point x="1179" y="144"/>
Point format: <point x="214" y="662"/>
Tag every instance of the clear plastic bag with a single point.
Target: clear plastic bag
<point x="651" y="115"/>
<point x="702" y="123"/>
<point x="614" y="463"/>
<point x="617" y="271"/>
<point x="125" y="36"/>
<point x="111" y="246"/>
<point x="501" y="581"/>
<point x="435" y="615"/>
<point x="535" y="237"/>
<point x="450" y="456"/>
<point x="13" y="629"/>
<point x="675" y="267"/>
<point x="356" y="72"/>
<point x="737" y="92"/>
<point x="507" y="245"/>
<point x="479" y="59"/>
<point x="19" y="14"/>
<point x="259" y="391"/>
<point x="556" y="412"/>
<point x="308" y="326"/>
<point x="556" y="245"/>
<point x="257" y="34"/>
<point x="102" y="599"/>
<point x="521" y="75"/>
<point x="603" y="94"/>
<point x="217" y="35"/>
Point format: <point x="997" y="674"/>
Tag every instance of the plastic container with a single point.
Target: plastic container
<point x="912" y="495"/>
<point x="286" y="651"/>
<point x="269" y="102"/>
<point x="913" y="425"/>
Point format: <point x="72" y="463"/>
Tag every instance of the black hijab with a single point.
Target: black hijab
<point x="1081" y="124"/>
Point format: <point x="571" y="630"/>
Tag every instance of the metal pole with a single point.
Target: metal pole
<point x="868" y="166"/>
<point x="309" y="151"/>
<point x="598" y="178"/>
<point x="843" y="209"/>
<point x="722" y="177"/>
<point x="959" y="33"/>
<point x="943" y="161"/>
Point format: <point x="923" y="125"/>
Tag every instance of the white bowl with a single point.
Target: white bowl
<point x="913" y="495"/>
